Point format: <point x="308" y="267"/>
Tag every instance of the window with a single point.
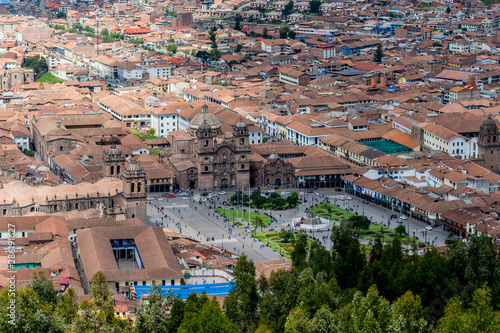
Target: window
<point x="206" y="168"/>
<point x="224" y="164"/>
<point x="143" y="283"/>
<point x="243" y="166"/>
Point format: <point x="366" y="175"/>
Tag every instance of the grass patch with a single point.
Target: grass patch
<point x="48" y="77"/>
<point x="388" y="234"/>
<point x="232" y="215"/>
<point x="144" y="136"/>
<point x="337" y="213"/>
<point x="154" y="151"/>
<point x="275" y="242"/>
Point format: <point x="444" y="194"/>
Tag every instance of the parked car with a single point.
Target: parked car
<point x="428" y="227"/>
<point x="348" y="198"/>
<point x="222" y="193"/>
<point x="286" y="192"/>
<point x="341" y="197"/>
<point x="212" y="195"/>
<point x="394" y="216"/>
<point x="399" y="221"/>
<point x="338" y="189"/>
<point x="271" y="191"/>
<point x="365" y="202"/>
<point x="403" y="217"/>
<point x="150" y="198"/>
<point x="170" y="195"/>
<point x="185" y="194"/>
<point x="204" y="194"/>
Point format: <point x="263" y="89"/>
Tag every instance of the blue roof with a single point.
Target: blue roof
<point x="184" y="291"/>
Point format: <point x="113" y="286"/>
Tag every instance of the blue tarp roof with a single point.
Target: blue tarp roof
<point x="184" y="291"/>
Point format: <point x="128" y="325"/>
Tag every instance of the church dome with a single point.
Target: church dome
<point x="133" y="166"/>
<point x="489" y="123"/>
<point x="240" y="124"/>
<point x="113" y="151"/>
<point x="205" y="118"/>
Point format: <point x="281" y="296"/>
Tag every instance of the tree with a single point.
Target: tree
<point x="203" y="55"/>
<point x="211" y="319"/>
<point x="400" y="229"/>
<point x="238" y="48"/>
<point x="377" y="57"/>
<point x="29" y="314"/>
<point x="104" y="32"/>
<point x="360" y="222"/>
<point x="437" y="44"/>
<point x="297" y="320"/>
<point x="406" y="314"/>
<point x="265" y="33"/>
<point x="480" y="317"/>
<point x="293" y="199"/>
<point x="322" y="322"/>
<point x="448" y="9"/>
<point x="287" y="236"/>
<point x="348" y="261"/>
<point x="314" y="6"/>
<point x="172" y="47"/>
<point x="152" y="315"/>
<point x="237" y="22"/>
<point x="244" y="310"/>
<point x="99" y="312"/>
<point x="299" y="253"/>
<point x="176" y="315"/>
<point x="38" y="65"/>
<point x="288" y="8"/>
<point x="286" y="32"/>
<point x="67" y="307"/>
<point x="43" y="288"/>
<point x="60" y="15"/>
<point x="29" y="152"/>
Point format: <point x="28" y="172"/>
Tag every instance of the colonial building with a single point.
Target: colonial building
<point x="205" y="157"/>
<point x="489" y="146"/>
<point x="121" y="198"/>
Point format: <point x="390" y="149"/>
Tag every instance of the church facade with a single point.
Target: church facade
<point x="205" y="157"/>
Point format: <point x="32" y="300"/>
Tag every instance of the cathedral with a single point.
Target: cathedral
<point x="206" y="157"/>
<point x="489" y="146"/>
<point x="120" y="194"/>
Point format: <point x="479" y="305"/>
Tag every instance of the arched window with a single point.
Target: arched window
<point x="132" y="188"/>
<point x="112" y="170"/>
<point x="138" y="187"/>
<point x="61" y="148"/>
<point x="77" y="206"/>
<point x="4" y="212"/>
<point x="117" y="169"/>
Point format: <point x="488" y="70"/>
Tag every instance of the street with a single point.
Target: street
<point x="188" y="217"/>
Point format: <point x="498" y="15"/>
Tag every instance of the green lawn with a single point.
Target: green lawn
<point x="232" y="215"/>
<point x="388" y="234"/>
<point x="144" y="136"/>
<point x="154" y="151"/>
<point x="275" y="242"/>
<point x="47" y="77"/>
<point x="337" y="213"/>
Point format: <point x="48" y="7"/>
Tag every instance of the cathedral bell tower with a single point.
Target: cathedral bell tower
<point x="114" y="162"/>
<point x="489" y="145"/>
<point x="241" y="136"/>
<point x="134" y="181"/>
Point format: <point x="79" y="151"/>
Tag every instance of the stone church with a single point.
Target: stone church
<point x="489" y="146"/>
<point x="206" y="157"/>
<point x="120" y="194"/>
